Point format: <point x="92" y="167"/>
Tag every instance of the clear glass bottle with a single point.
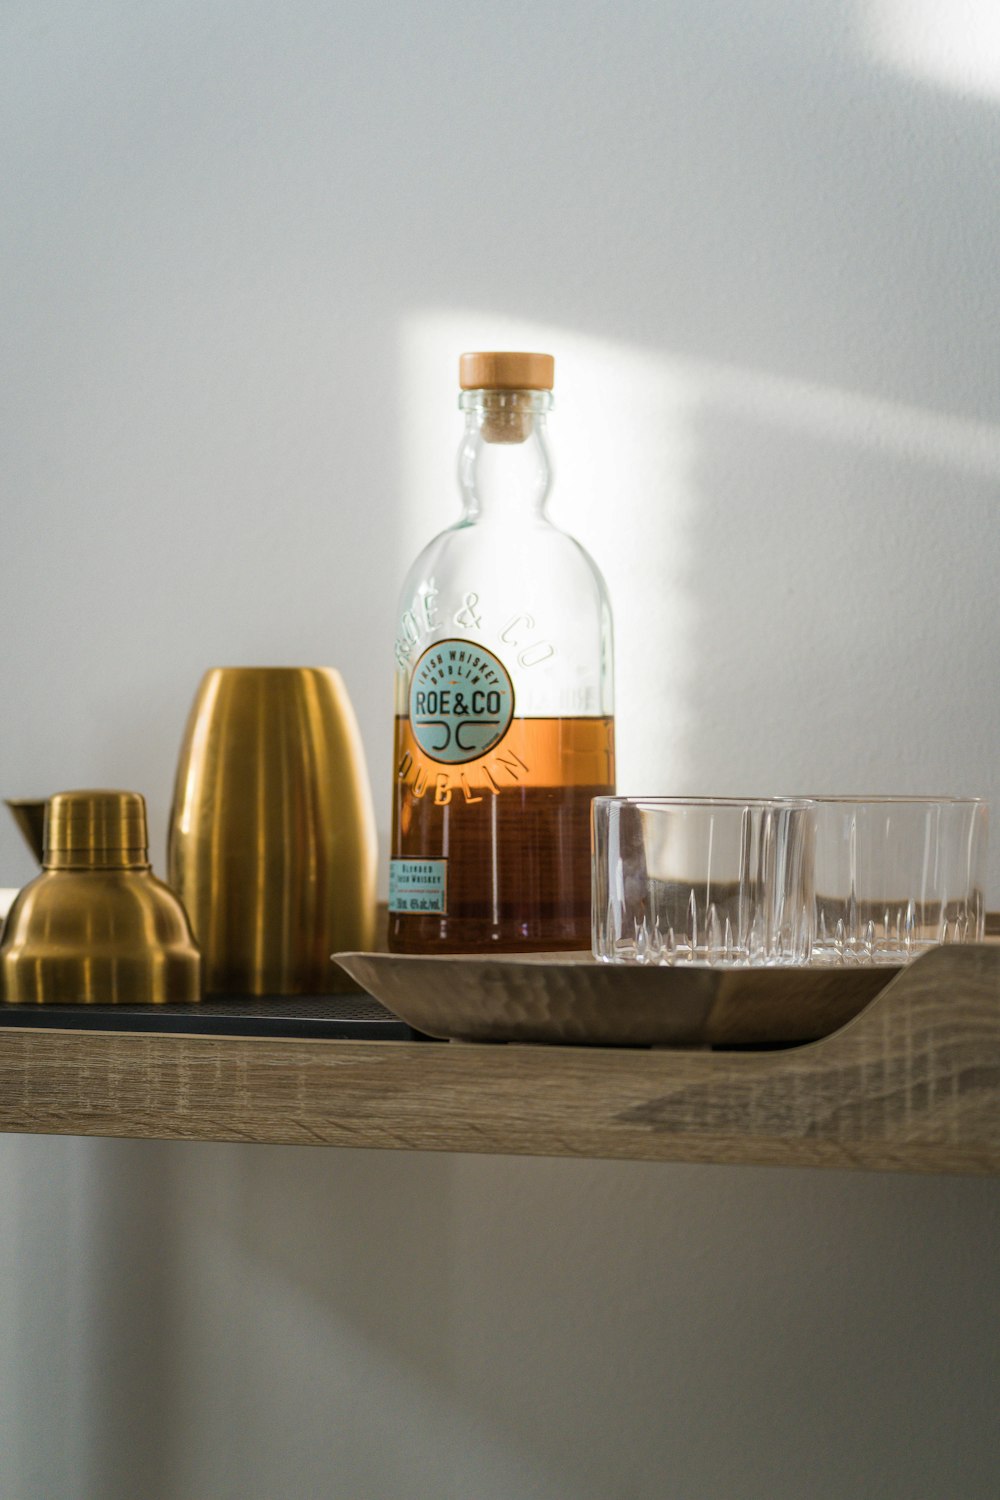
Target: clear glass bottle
<point x="504" y="696"/>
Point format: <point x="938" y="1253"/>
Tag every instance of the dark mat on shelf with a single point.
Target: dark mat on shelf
<point x="352" y="1017"/>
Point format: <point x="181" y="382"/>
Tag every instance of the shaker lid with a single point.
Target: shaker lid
<point x="90" y="830"/>
<point x="502" y="371"/>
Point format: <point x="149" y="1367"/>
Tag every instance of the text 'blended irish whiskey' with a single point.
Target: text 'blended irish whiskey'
<point x="504" y="696"/>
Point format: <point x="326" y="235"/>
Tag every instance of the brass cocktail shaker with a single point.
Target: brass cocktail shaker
<point x="272" y="832"/>
<point x="97" y="927"/>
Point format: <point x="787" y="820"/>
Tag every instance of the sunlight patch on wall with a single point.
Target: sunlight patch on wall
<point x="953" y="43"/>
<point x="621" y="444"/>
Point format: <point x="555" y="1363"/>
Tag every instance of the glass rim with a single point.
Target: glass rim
<point x="892" y="799"/>
<point x="792" y="803"/>
<point x="821" y="799"/>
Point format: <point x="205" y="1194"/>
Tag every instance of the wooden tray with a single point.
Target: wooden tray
<point x="571" y="998"/>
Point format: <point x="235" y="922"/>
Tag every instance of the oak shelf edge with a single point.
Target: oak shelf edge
<point x="912" y="1084"/>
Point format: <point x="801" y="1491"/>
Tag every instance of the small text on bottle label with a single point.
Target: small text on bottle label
<point x="418" y="886"/>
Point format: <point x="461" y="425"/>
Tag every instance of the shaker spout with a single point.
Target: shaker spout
<point x="29" y="815"/>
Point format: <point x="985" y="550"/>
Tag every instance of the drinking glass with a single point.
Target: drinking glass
<point x="895" y="876"/>
<point x="716" y="880"/>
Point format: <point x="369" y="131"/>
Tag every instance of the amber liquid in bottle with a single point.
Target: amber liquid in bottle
<point x="514" y="830"/>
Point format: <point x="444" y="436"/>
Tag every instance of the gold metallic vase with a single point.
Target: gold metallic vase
<point x="272" y="833"/>
<point x="97" y="927"/>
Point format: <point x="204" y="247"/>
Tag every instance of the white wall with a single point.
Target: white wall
<point x="243" y="246"/>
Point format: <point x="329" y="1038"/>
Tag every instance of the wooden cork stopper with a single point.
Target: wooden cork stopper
<point x="502" y="371"/>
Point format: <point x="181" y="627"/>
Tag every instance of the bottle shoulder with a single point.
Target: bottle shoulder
<point x="525" y="556"/>
<point x="430" y="556"/>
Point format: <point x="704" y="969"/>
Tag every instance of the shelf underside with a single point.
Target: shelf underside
<point x="912" y="1084"/>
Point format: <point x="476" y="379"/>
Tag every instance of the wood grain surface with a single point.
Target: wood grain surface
<point x="912" y="1084"/>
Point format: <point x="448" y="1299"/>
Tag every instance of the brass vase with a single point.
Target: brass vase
<point x="272" y="843"/>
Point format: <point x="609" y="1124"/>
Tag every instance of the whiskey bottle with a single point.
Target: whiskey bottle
<point x="504" y="728"/>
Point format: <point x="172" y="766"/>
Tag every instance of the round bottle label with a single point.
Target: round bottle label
<point x="461" y="701"/>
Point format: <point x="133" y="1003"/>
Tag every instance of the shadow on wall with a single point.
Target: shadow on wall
<point x="400" y="1326"/>
<point x="131" y="1282"/>
<point x="238" y="1302"/>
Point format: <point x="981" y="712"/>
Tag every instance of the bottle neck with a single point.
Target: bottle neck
<point x="503" y="464"/>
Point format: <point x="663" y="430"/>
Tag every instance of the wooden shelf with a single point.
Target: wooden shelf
<point x="912" y="1084"/>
